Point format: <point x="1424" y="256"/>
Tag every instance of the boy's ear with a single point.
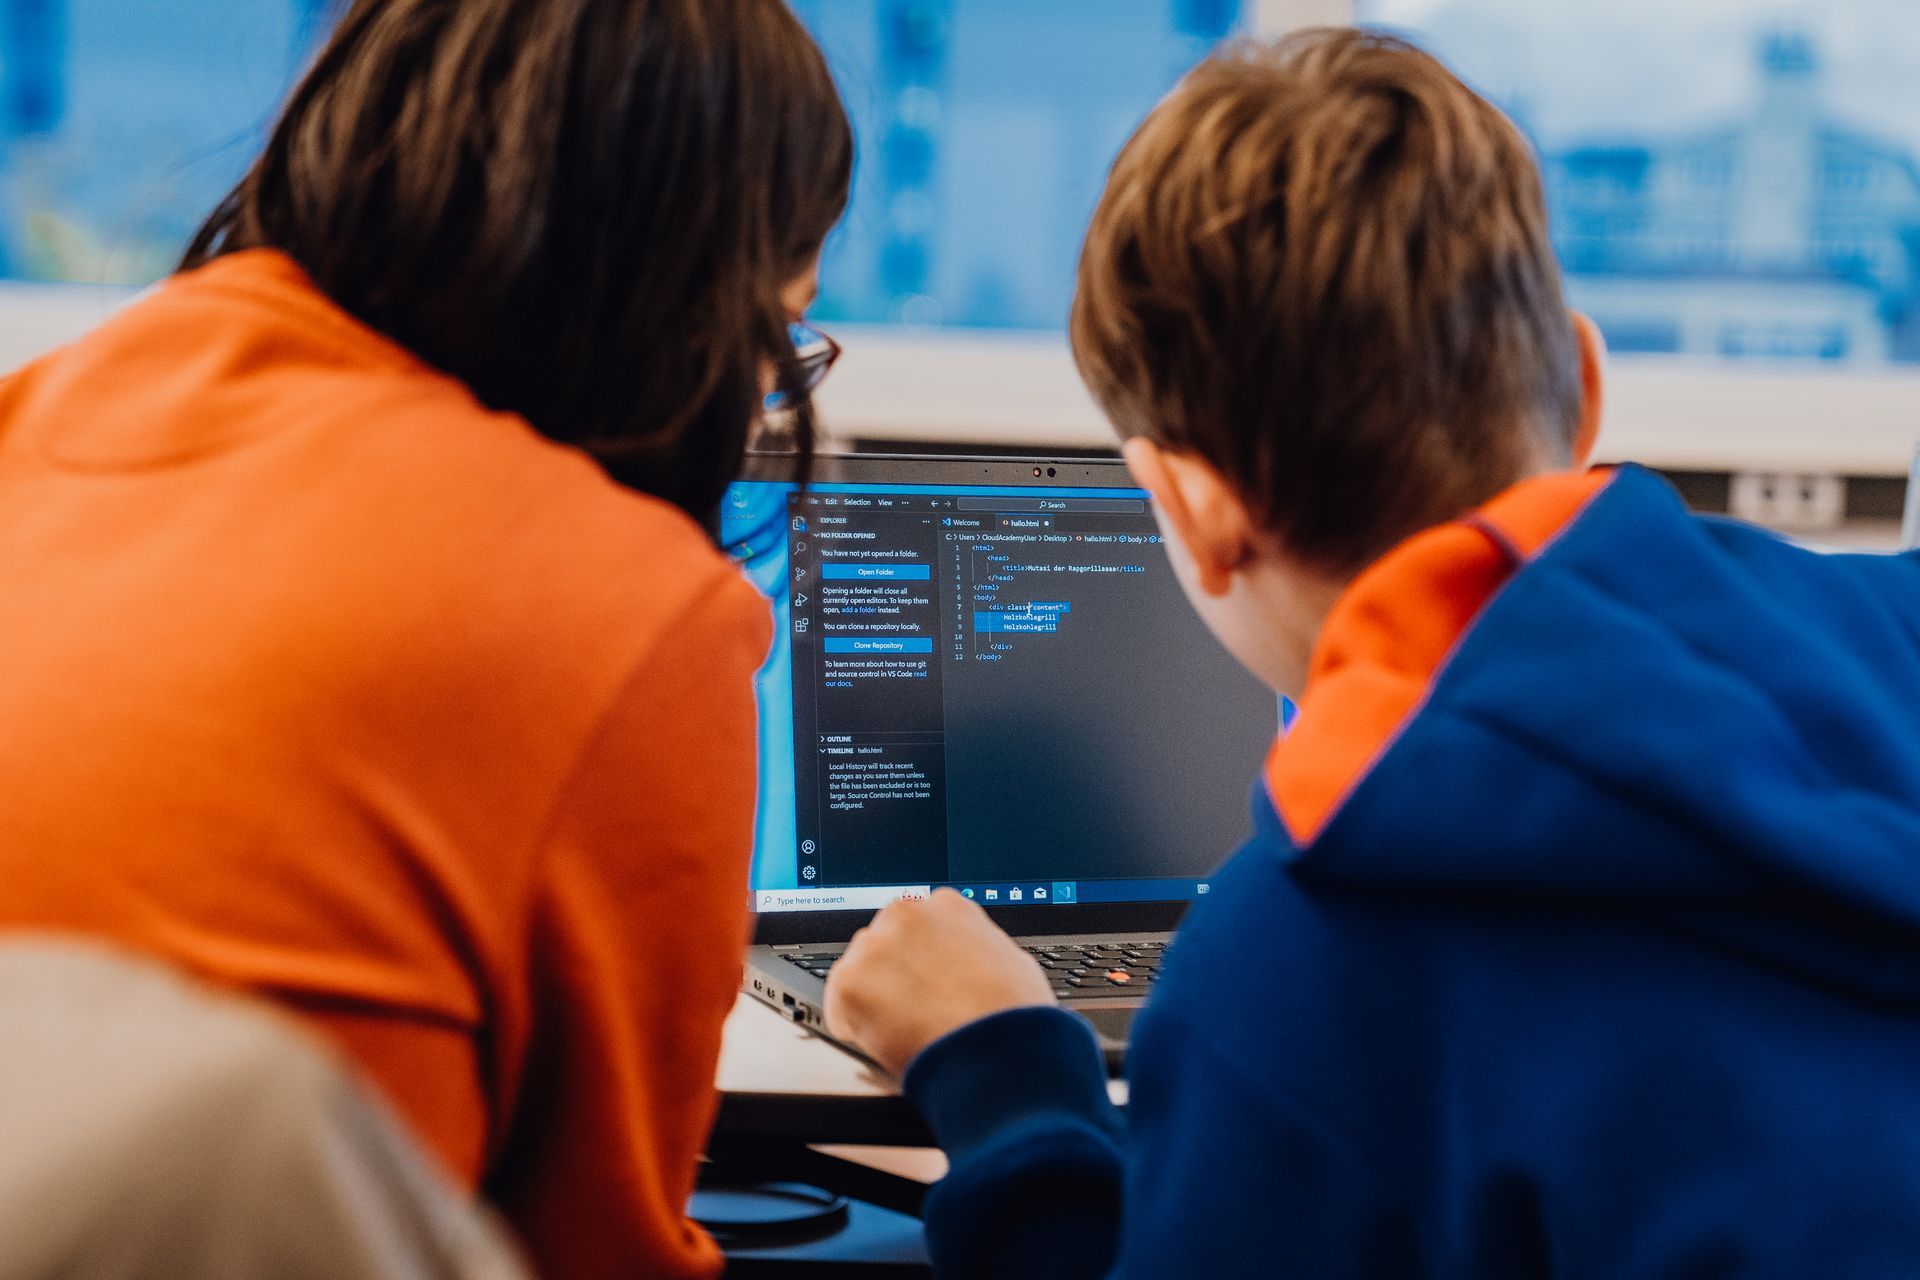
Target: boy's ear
<point x="1593" y="390"/>
<point x="1198" y="508"/>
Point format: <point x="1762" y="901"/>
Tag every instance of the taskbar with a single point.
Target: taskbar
<point x="1000" y="893"/>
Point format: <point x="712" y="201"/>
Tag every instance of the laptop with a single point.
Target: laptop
<point x="985" y="677"/>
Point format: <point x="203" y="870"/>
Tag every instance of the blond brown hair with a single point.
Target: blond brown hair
<point x="1323" y="266"/>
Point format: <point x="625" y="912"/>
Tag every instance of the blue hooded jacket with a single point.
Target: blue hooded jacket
<point x="1586" y="945"/>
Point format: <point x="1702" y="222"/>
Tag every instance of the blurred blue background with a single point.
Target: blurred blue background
<point x="1728" y="178"/>
<point x="986" y="128"/>
<point x="123" y="121"/>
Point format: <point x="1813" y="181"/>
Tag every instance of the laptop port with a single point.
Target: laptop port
<point x="787" y="998"/>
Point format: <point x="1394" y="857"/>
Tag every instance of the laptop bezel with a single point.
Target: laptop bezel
<point x="793" y="928"/>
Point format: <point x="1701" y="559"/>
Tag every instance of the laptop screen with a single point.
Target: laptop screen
<point x="996" y="687"/>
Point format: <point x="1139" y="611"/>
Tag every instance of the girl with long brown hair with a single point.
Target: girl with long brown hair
<point x="360" y="645"/>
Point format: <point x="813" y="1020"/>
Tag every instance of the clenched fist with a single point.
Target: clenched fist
<point x="924" y="968"/>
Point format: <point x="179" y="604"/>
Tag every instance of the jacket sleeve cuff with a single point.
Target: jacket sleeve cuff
<point x="1007" y="1070"/>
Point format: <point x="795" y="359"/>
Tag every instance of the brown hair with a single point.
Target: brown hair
<point x="583" y="210"/>
<point x="1323" y="266"/>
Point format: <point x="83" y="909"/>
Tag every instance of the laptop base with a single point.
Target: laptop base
<point x="799" y="995"/>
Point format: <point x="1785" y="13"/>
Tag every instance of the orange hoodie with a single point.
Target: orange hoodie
<point x="322" y="680"/>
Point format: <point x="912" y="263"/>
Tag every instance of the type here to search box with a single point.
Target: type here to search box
<point x="858" y="898"/>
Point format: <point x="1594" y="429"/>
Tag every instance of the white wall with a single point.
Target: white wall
<point x="1022" y="390"/>
<point x="36" y="318"/>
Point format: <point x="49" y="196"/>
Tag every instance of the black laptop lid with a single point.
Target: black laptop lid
<point x="984" y="676"/>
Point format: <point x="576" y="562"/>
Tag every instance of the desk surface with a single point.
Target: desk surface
<point x="779" y="1080"/>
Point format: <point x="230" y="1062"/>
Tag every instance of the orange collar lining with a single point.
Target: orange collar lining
<point x="1392" y="632"/>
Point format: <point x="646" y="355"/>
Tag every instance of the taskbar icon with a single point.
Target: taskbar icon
<point x="1028" y="894"/>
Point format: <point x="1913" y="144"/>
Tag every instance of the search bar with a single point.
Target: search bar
<point x="860" y="898"/>
<point x="1120" y="506"/>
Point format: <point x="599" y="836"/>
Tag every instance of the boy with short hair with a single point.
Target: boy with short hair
<point x="1580" y="929"/>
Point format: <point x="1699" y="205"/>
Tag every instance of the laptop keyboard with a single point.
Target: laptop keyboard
<point x="1074" y="968"/>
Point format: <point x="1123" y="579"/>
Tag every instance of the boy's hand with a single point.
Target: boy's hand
<point x="924" y="968"/>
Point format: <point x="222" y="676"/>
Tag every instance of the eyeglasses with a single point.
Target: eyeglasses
<point x="1910" y="529"/>
<point x="814" y="352"/>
